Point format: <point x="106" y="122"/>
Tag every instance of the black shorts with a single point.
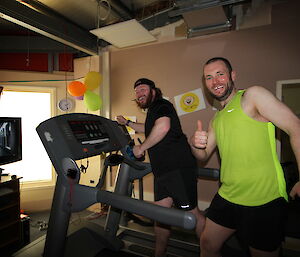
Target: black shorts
<point x="180" y="185"/>
<point x="260" y="227"/>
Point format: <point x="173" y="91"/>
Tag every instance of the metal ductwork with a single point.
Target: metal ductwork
<point x="204" y="17"/>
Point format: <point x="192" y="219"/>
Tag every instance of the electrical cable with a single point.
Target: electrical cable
<point x="83" y="168"/>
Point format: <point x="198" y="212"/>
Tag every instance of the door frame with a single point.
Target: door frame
<point x="279" y="85"/>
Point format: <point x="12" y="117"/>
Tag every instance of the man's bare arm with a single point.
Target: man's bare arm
<point x="138" y="127"/>
<point x="273" y="110"/>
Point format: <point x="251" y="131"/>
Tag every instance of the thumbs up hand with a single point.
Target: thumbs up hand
<point x="199" y="139"/>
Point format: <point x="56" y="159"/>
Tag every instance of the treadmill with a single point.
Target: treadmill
<point x="75" y="136"/>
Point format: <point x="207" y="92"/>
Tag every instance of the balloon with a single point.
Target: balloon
<point x="76" y="88"/>
<point x="92" y="80"/>
<point x="79" y="97"/>
<point x="92" y="101"/>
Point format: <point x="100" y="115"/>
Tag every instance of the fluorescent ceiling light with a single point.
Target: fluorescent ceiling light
<point x="123" y="34"/>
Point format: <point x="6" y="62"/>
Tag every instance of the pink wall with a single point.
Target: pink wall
<point x="261" y="56"/>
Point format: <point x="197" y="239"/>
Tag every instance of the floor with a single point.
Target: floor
<point x="38" y="229"/>
<point x="39" y="221"/>
<point x="38" y="224"/>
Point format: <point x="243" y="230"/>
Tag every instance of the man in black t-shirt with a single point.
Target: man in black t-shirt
<point x="173" y="164"/>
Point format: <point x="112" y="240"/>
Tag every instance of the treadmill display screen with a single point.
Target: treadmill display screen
<point x="88" y="131"/>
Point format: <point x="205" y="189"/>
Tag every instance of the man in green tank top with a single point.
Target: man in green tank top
<point x="252" y="197"/>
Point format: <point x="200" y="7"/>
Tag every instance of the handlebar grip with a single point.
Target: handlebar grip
<point x="208" y="173"/>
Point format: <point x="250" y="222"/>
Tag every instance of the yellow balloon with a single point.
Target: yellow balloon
<point x="92" y="80"/>
<point x="92" y="101"/>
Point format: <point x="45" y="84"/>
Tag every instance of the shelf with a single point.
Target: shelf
<point x="6" y="191"/>
<point x="9" y="205"/>
<point x="10" y="241"/>
<point x="10" y="222"/>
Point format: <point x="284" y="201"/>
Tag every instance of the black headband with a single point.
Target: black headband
<point x="144" y="81"/>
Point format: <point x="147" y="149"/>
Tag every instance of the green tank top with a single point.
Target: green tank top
<point x="251" y="173"/>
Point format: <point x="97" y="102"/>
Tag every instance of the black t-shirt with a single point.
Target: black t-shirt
<point x="173" y="151"/>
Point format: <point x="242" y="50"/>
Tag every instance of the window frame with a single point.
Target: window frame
<point x="53" y="112"/>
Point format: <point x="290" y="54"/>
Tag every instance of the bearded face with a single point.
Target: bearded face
<point x="144" y="96"/>
<point x="226" y="93"/>
<point x="219" y="80"/>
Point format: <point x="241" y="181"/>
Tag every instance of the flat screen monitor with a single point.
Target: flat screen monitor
<point x="10" y="140"/>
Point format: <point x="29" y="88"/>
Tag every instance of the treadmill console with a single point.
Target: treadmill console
<point x="80" y="135"/>
<point x="88" y="131"/>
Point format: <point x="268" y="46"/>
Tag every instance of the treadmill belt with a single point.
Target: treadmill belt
<point x="110" y="253"/>
<point x="141" y="249"/>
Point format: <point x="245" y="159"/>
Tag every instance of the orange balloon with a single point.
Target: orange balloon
<point x="76" y="88"/>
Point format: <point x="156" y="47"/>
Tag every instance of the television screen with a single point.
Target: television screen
<point x="10" y="140"/>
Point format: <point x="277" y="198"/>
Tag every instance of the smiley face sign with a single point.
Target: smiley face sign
<point x="190" y="102"/>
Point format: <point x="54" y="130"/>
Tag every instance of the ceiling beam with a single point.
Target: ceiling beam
<point x="30" y="44"/>
<point x="52" y="26"/>
<point x="184" y="6"/>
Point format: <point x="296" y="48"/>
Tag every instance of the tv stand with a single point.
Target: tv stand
<point x="10" y="223"/>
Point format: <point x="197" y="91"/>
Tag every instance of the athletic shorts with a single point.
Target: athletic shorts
<point x="260" y="227"/>
<point x="180" y="185"/>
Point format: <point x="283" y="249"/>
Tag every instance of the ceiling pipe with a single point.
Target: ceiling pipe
<point x="115" y="9"/>
<point x="156" y="15"/>
<point x="121" y="9"/>
<point x="158" y="19"/>
<point x="209" y="29"/>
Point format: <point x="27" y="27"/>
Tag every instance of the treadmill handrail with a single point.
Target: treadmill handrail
<point x="161" y="214"/>
<point x="135" y="164"/>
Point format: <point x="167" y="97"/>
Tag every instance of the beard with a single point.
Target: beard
<point x="226" y="94"/>
<point x="147" y="103"/>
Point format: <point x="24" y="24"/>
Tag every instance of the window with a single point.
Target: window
<point x="33" y="106"/>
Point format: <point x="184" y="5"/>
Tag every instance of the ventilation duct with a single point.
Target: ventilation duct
<point x="204" y="17"/>
<point x="206" y="21"/>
